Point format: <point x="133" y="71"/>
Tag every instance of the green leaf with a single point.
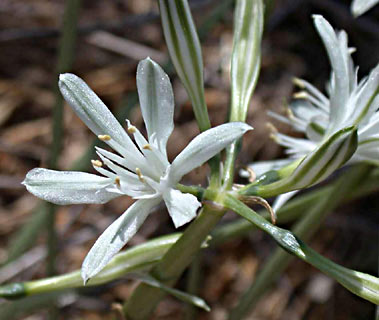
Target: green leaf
<point x="185" y="52"/>
<point x="134" y="259"/>
<point x="246" y="57"/>
<point x="183" y="296"/>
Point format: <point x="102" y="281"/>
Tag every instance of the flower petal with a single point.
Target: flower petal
<point x="157" y="102"/>
<point x="115" y="237"/>
<point x="338" y="55"/>
<point x="95" y="114"/>
<point x="359" y="7"/>
<point x="68" y="187"/>
<point x="205" y="146"/>
<point x="182" y="207"/>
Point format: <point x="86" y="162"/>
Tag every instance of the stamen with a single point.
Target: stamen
<point x="139" y="174"/>
<point x="132" y="129"/>
<point x="271" y="127"/>
<point x="289" y="113"/>
<point x="275" y="138"/>
<point x="298" y="82"/>
<point x="97" y="163"/>
<point x="147" y="147"/>
<point x="117" y="181"/>
<point x="104" y="137"/>
<point x="301" y="95"/>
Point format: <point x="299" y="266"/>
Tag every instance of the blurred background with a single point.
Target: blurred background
<point x="111" y="37"/>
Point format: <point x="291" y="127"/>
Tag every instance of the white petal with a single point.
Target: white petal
<point x="115" y="237"/>
<point x="337" y="55"/>
<point x="281" y="200"/>
<point x="68" y="187"/>
<point x="205" y="146"/>
<point x="95" y="114"/>
<point x="359" y="7"/>
<point x="157" y="102"/>
<point x="366" y="102"/>
<point x="182" y="207"/>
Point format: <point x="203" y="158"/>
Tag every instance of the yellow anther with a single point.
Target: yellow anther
<point x="104" y="137"/>
<point x="271" y="127"/>
<point x="132" y="129"/>
<point x="289" y="113"/>
<point x="139" y="174"/>
<point x="147" y="147"/>
<point x="300" y="95"/>
<point x="97" y="163"/>
<point x="117" y="181"/>
<point x="274" y="137"/>
<point x="298" y="82"/>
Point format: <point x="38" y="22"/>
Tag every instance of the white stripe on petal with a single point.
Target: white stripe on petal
<point x="182" y="207"/>
<point x="205" y="146"/>
<point x="115" y="237"/>
<point x="68" y="187"/>
<point x="157" y="102"/>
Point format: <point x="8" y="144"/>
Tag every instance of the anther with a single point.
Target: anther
<point x="97" y="163"/>
<point x="139" y="174"/>
<point x="289" y="113"/>
<point x="147" y="147"/>
<point x="298" y="82"/>
<point x="274" y="137"/>
<point x="104" y="137"/>
<point x="132" y="129"/>
<point x="300" y="95"/>
<point x="117" y="181"/>
<point x="271" y="127"/>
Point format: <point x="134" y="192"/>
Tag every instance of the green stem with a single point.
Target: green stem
<point x="305" y="229"/>
<point x="193" y="285"/>
<point x="363" y="285"/>
<point x="144" y="298"/>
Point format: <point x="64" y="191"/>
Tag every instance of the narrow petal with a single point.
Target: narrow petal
<point x="359" y="7"/>
<point x="157" y="102"/>
<point x="115" y="237"/>
<point x="282" y="199"/>
<point x="182" y="207"/>
<point x="68" y="187"/>
<point x="205" y="146"/>
<point x="95" y="114"/>
<point x="338" y="59"/>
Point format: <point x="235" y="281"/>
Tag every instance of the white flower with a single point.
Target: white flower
<point x="319" y="117"/>
<point x="348" y="103"/>
<point x="140" y="170"/>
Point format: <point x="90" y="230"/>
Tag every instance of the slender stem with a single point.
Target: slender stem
<point x="305" y="228"/>
<point x="144" y="298"/>
<point x="361" y="284"/>
<point x="193" y="282"/>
